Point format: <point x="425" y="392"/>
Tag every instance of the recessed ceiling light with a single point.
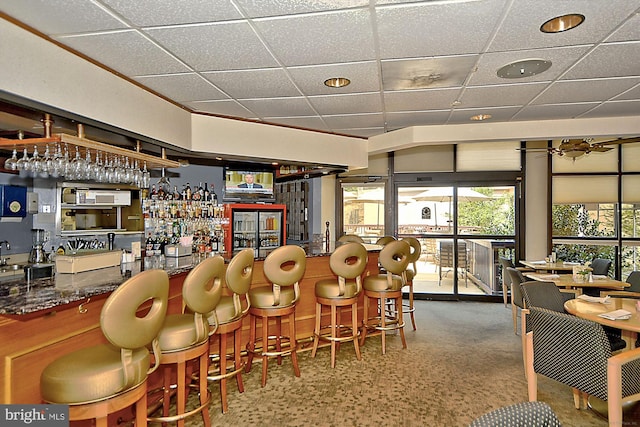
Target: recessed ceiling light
<point x="337" y="82"/>
<point x="481" y="117"/>
<point x="524" y="68"/>
<point x="562" y="23"/>
<point x="274" y="163"/>
<point x="218" y="158"/>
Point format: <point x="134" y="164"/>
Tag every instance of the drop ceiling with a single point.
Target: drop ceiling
<point x="410" y="63"/>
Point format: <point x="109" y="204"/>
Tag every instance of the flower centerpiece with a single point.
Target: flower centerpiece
<point x="582" y="273"/>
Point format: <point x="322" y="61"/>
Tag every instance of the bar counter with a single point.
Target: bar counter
<point x="46" y="318"/>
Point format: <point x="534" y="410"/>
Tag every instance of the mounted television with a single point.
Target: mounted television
<point x="246" y="185"/>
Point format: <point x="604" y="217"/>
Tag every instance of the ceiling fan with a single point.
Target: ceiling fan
<point x="574" y="148"/>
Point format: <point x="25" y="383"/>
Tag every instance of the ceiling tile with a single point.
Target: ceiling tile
<point x="629" y="95"/>
<point x="630" y="30"/>
<point x="364" y="77"/>
<point x="420" y="100"/>
<point x="522" y="23"/>
<point x="182" y="87"/>
<point x="122" y="51"/>
<point x="498" y="114"/>
<point x="585" y="90"/>
<point x="614" y="108"/>
<point x="553" y="112"/>
<point x="423" y="30"/>
<point x="416" y="118"/>
<point x="344" y="36"/>
<point x="500" y="95"/>
<point x="351" y="121"/>
<point x="426" y="73"/>
<point x="216" y="47"/>
<point x="171" y="12"/>
<point x="245" y="84"/>
<point x="347" y="104"/>
<point x="224" y="107"/>
<point x="279" y="107"/>
<point x="489" y="63"/>
<point x="61" y="17"/>
<point x="608" y="60"/>
<point x="258" y="8"/>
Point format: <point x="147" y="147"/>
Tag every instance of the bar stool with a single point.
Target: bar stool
<point x="347" y="262"/>
<point x="229" y="314"/>
<point x="284" y="267"/>
<point x="416" y="250"/>
<point x="106" y="378"/>
<point x="346" y="238"/>
<point x="185" y="337"/>
<point x="394" y="258"/>
<point x="384" y="240"/>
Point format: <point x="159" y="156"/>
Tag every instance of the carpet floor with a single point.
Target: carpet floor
<point x="463" y="361"/>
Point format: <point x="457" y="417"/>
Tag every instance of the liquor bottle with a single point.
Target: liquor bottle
<point x="195" y="195"/>
<point x="154" y="192"/>
<point x="188" y="191"/>
<point x="207" y="195"/>
<point x="176" y="193"/>
<point x="214" y="196"/>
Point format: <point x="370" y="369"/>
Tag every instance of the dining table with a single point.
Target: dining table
<point x="567" y="281"/>
<point x="543" y="265"/>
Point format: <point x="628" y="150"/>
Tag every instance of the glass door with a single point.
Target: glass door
<point x="463" y="231"/>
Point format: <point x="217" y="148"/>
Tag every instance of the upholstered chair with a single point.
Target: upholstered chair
<point x="347" y="262"/>
<point x="524" y="414"/>
<point x="576" y="352"/>
<point x="184" y="338"/>
<point x="394" y="258"/>
<point x="411" y="272"/>
<point x="229" y="314"/>
<point x="632" y="291"/>
<point x="103" y="379"/>
<point x="516" y="277"/>
<point x="284" y="268"/>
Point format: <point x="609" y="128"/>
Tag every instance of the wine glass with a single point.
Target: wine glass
<point x="12" y="162"/>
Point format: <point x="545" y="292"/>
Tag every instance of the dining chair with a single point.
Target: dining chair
<point x="600" y="266"/>
<point x="516" y="278"/>
<point x="506" y="279"/>
<point x="632" y="291"/>
<point x="523" y="414"/>
<point x="577" y="353"/>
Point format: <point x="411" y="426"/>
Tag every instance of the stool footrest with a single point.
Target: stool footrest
<point x="173" y="418"/>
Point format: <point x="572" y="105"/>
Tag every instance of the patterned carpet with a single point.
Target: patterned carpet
<point x="463" y="361"/>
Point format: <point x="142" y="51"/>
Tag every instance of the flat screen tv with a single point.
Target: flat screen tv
<point x="246" y="185"/>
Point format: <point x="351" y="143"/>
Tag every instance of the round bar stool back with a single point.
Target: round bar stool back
<point x="284" y="267"/>
<point x="229" y="313"/>
<point x="107" y="378"/>
<point x="384" y="240"/>
<point x="185" y="337"/>
<point x="350" y="238"/>
<point x="347" y="262"/>
<point x="412" y="271"/>
<point x="394" y="258"/>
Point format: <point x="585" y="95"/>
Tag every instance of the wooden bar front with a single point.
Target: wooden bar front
<point x="27" y="346"/>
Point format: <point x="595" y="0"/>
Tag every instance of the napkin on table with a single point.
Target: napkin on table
<point x="589" y="298"/>
<point x="616" y="315"/>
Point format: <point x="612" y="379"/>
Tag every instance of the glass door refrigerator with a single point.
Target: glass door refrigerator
<point x="260" y="227"/>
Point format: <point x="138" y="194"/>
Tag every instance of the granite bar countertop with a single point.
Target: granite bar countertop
<point x="19" y="297"/>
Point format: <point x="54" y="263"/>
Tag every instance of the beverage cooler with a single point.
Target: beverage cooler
<point x="260" y="227"/>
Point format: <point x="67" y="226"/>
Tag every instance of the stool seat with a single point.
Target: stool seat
<point x="263" y="297"/>
<point x="330" y="288"/>
<point x="179" y="332"/>
<point x="380" y="283"/>
<point x="91" y="374"/>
